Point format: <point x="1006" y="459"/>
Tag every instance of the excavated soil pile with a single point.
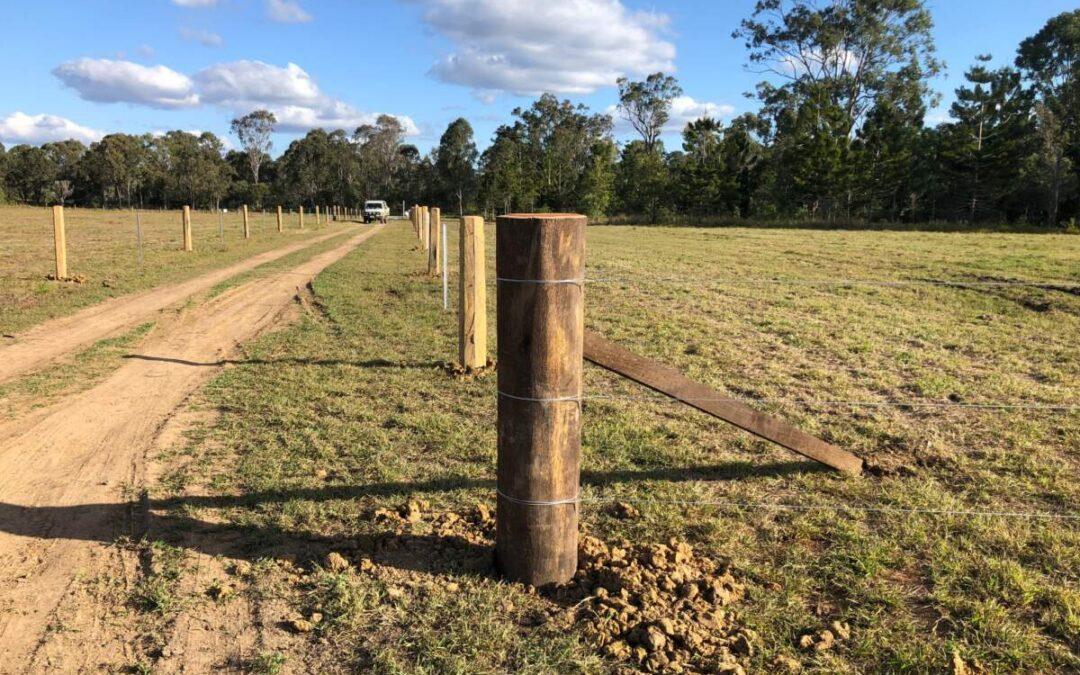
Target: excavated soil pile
<point x="658" y="607"/>
<point x="653" y="607"/>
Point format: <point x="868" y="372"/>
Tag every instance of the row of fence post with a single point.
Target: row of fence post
<point x="187" y="241"/>
<point x="540" y="265"/>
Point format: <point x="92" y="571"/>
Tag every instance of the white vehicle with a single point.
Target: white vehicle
<point x="376" y="210"/>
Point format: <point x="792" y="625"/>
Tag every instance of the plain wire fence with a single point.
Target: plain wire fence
<point x="1068" y="286"/>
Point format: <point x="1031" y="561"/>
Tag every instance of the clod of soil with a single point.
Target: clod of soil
<point x="658" y="607"/>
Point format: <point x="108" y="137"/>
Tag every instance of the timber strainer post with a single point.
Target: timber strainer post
<point x="472" y="312"/>
<point x="186" y="222"/>
<point x="540" y="265"/>
<point x="59" y="242"/>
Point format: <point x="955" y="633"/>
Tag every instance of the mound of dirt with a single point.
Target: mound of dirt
<point x="658" y="607"/>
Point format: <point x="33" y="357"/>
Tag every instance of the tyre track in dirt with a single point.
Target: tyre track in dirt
<point x="69" y="480"/>
<point x="54" y="338"/>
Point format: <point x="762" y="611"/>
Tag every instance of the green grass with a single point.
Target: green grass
<point x="350" y="410"/>
<point x="102" y="251"/>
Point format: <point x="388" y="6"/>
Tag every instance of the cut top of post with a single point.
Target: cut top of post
<point x="545" y="248"/>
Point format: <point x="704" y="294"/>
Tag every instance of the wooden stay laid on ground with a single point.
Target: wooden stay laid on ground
<point x="671" y="382"/>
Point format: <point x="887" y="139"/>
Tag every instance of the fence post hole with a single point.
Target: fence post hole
<point x="472" y="314"/>
<point x="434" y="219"/>
<point x="247" y="224"/>
<point x="301" y="212"/>
<point x="280" y="224"/>
<point x="59" y="242"/>
<point x="540" y="261"/>
<point x="186" y="220"/>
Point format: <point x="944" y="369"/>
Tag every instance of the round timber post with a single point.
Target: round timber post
<point x="540" y="264"/>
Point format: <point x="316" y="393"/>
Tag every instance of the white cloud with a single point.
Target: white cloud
<point x="331" y="115"/>
<point x="286" y="11"/>
<point x="256" y="83"/>
<point x="527" y="47"/>
<point x="195" y="3"/>
<point x="19" y="127"/>
<point x="108" y="81"/>
<point x="204" y="37"/>
<point x="684" y="109"/>
<point x="238" y="86"/>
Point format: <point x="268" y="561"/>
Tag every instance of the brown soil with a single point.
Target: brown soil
<point x="52" y="339"/>
<point x="71" y="475"/>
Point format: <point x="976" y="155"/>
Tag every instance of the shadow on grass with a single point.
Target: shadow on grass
<point x="370" y="363"/>
<point x="170" y="520"/>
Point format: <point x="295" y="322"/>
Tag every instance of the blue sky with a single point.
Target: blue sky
<point x="86" y="68"/>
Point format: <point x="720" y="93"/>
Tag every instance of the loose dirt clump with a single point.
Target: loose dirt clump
<point x="658" y="608"/>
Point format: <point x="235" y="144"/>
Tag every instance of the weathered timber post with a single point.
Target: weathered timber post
<point x="472" y="311"/>
<point x="434" y="222"/>
<point x="247" y="224"/>
<point x="414" y="215"/>
<point x="540" y="260"/>
<point x="59" y="242"/>
<point x="280" y="225"/>
<point x="301" y="212"/>
<point x="317" y="221"/>
<point x="186" y="220"/>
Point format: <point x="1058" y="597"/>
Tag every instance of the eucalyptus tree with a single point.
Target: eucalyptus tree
<point x="646" y="104"/>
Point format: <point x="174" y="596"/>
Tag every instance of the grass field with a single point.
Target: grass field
<point x="327" y="430"/>
<point x="102" y="253"/>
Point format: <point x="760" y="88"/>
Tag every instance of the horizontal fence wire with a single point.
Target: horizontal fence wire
<point x="1040" y="284"/>
<point x="889" y="510"/>
<point x="825" y="403"/>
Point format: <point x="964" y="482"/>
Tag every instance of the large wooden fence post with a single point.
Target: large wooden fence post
<point x="301" y="212"/>
<point x="186" y="221"/>
<point x="317" y="221"/>
<point x="472" y="312"/>
<point x="280" y="225"/>
<point x="434" y="223"/>
<point x="540" y="260"/>
<point x="59" y="242"/>
<point x="247" y="223"/>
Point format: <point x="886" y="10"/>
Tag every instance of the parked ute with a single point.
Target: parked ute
<point x="376" y="210"/>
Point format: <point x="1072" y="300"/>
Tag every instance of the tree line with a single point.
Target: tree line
<point x="840" y="134"/>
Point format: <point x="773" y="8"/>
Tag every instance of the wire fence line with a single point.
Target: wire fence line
<point x="1051" y="285"/>
<point x="890" y="510"/>
<point x="822" y="403"/>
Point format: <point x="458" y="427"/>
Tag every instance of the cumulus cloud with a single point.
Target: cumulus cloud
<point x="254" y="82"/>
<point x="19" y="127"/>
<point x="527" y="47"/>
<point x="684" y="109"/>
<point x="204" y="37"/>
<point x="332" y="115"/>
<point x="195" y="3"/>
<point x="108" y="81"/>
<point x="238" y="86"/>
<point x="286" y="11"/>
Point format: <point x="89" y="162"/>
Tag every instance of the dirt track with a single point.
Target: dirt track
<point x="69" y="476"/>
<point x="52" y="339"/>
